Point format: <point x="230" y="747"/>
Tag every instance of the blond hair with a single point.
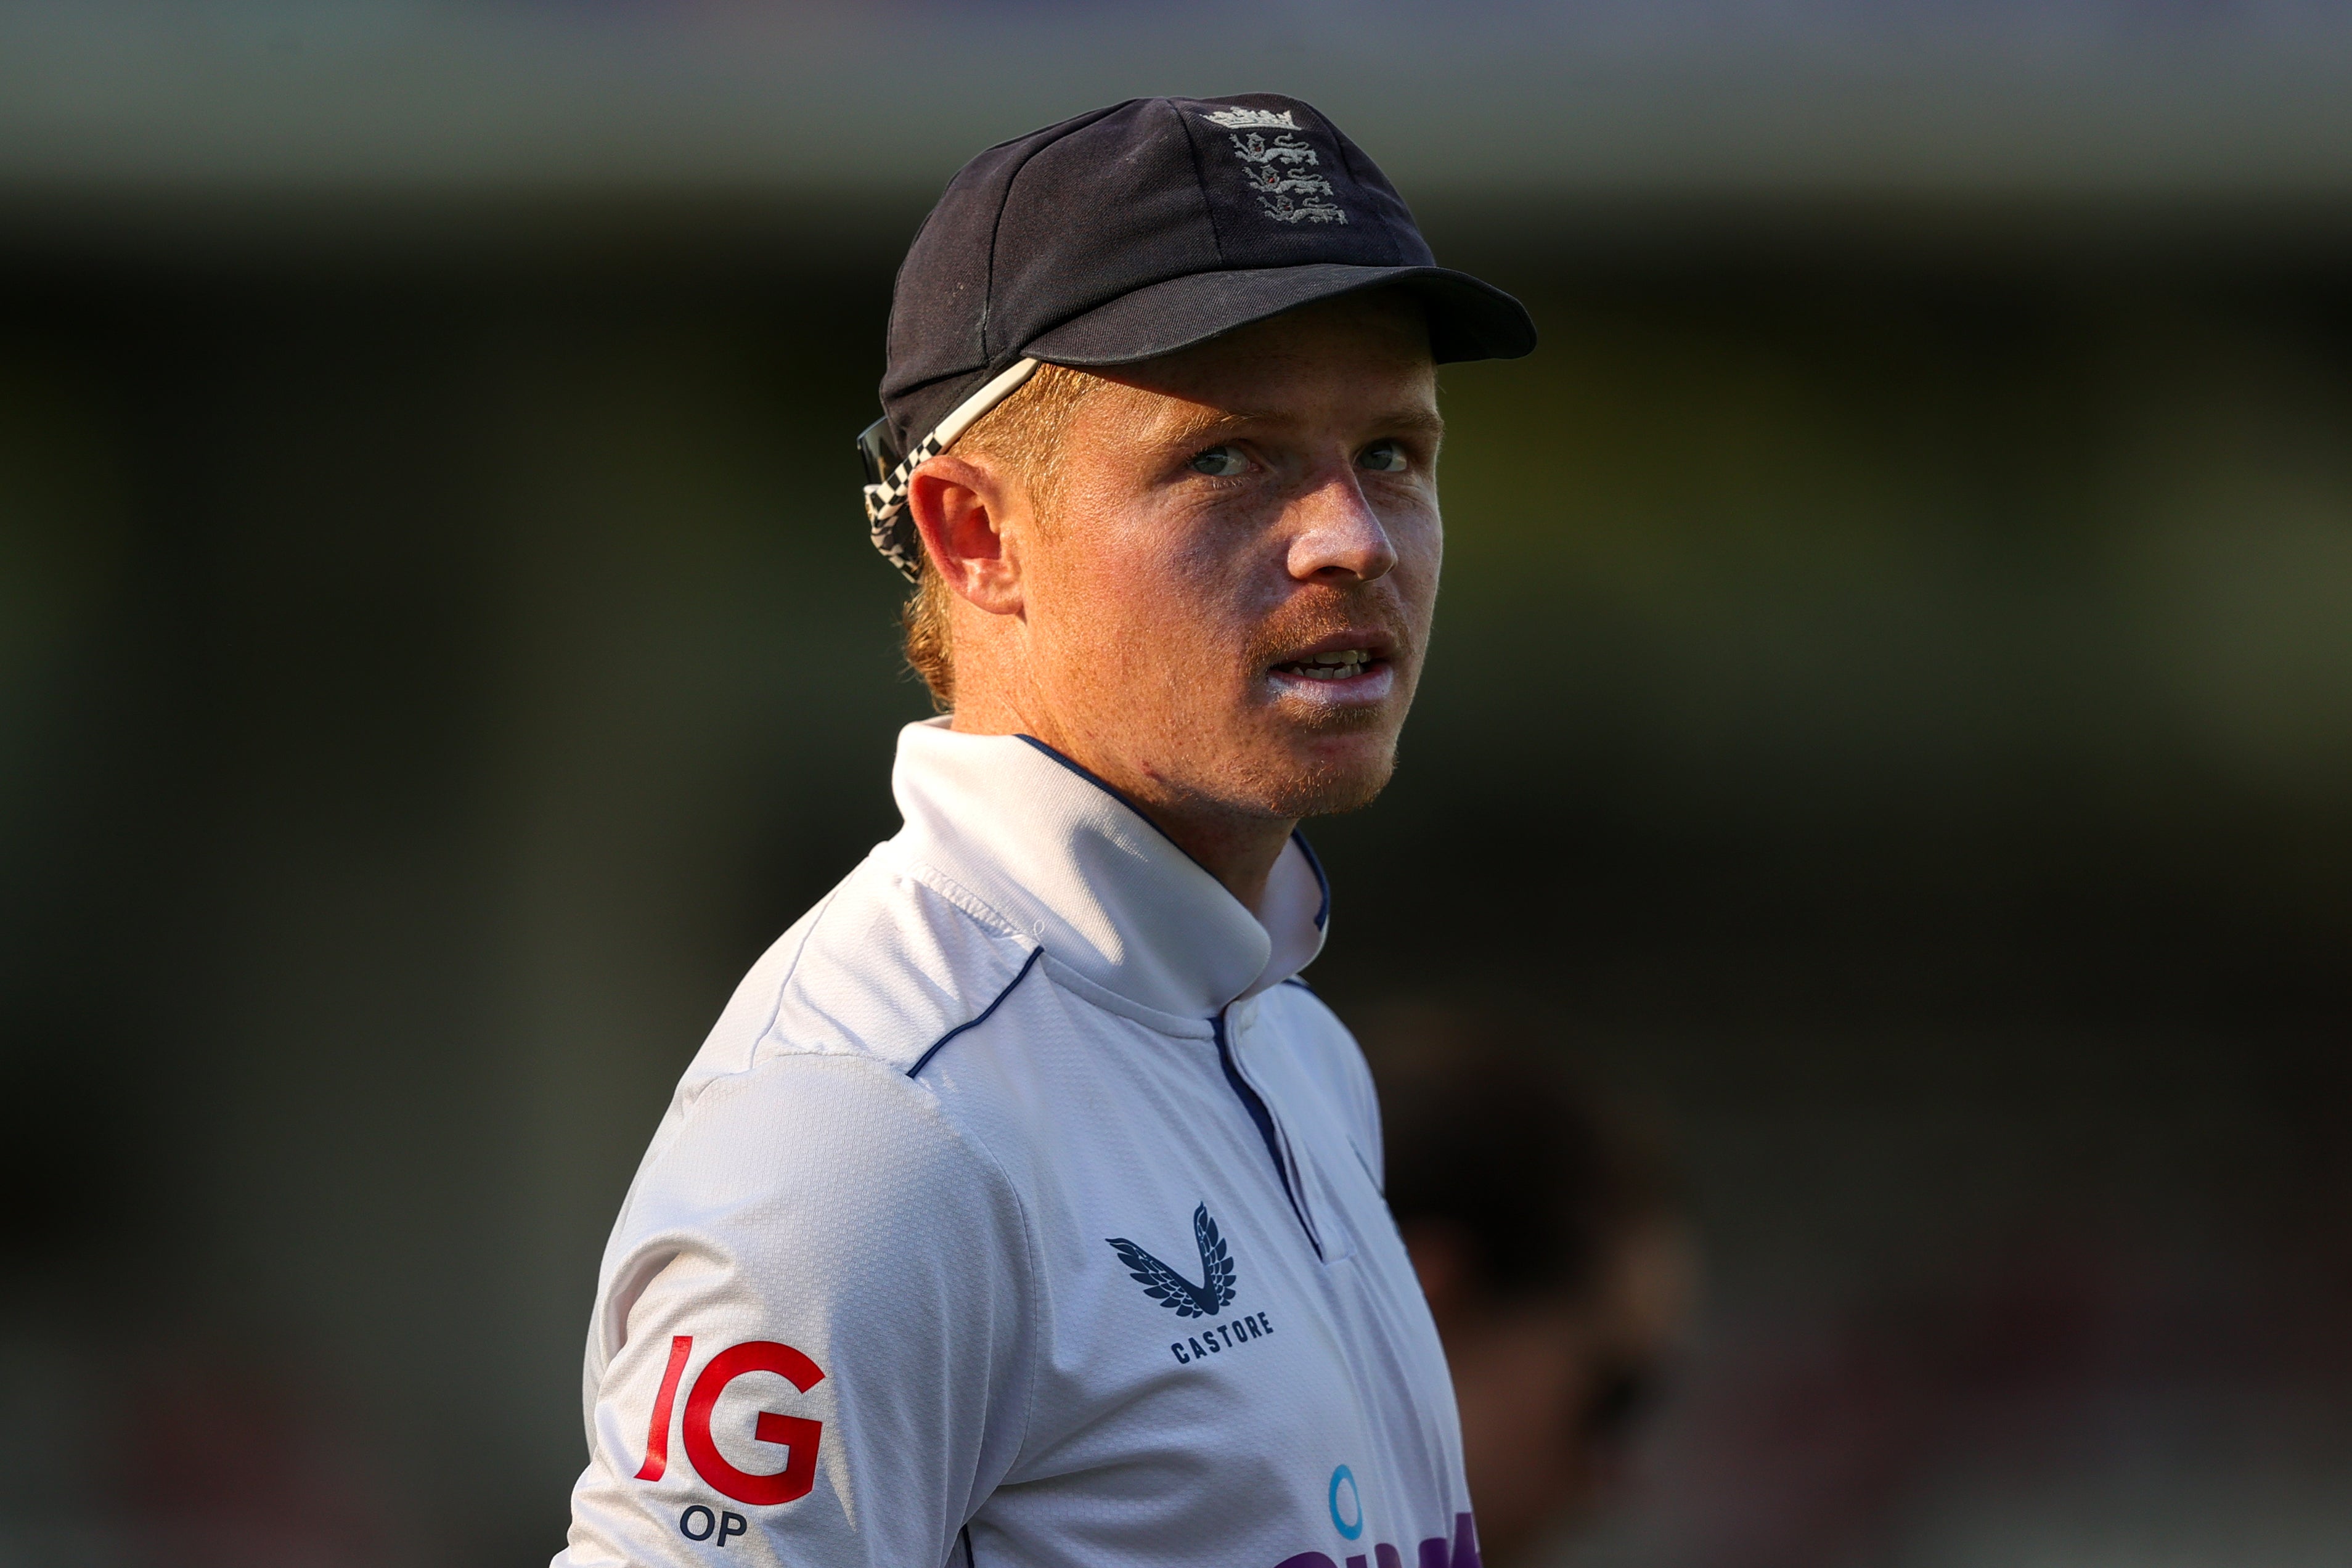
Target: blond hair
<point x="1023" y="435"/>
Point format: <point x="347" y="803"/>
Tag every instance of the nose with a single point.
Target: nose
<point x="1339" y="535"/>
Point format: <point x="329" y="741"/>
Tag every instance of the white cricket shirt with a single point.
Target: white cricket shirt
<point x="1017" y="1212"/>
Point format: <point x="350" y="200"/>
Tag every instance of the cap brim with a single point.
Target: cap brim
<point x="1467" y="319"/>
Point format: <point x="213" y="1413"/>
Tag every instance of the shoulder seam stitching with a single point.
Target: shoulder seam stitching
<point x="775" y="1008"/>
<point x="1027" y="965"/>
<point x="784" y="986"/>
<point x="938" y="883"/>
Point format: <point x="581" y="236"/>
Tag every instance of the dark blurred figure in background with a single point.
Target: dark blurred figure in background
<point x="1555" y="1257"/>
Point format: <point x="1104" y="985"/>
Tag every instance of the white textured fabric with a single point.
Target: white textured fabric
<point x="961" y="1242"/>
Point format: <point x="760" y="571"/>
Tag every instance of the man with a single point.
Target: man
<point x="1555" y="1257"/>
<point x="1017" y="1211"/>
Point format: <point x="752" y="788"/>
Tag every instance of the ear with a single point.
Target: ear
<point x="970" y="516"/>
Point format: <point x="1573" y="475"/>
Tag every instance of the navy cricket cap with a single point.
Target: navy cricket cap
<point x="1130" y="232"/>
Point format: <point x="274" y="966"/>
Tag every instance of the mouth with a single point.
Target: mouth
<point x="1351" y="665"/>
<point x="1344" y="664"/>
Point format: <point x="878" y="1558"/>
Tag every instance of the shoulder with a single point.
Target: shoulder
<point x="807" y="1075"/>
<point x="827" y="1201"/>
<point x="887" y="966"/>
<point x="801" y="1172"/>
<point x="809" y="1135"/>
<point x="1317" y="1040"/>
<point x="808" y="1177"/>
<point x="1323" y="1052"/>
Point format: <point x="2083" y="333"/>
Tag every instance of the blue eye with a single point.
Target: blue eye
<point x="1222" y="461"/>
<point x="1385" y="457"/>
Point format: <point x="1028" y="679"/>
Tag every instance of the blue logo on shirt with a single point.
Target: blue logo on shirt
<point x="1344" y="1477"/>
<point x="1171" y="1289"/>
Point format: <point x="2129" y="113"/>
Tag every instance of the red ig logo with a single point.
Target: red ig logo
<point x="797" y="1435"/>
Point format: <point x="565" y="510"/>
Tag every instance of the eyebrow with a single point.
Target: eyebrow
<point x="1426" y="422"/>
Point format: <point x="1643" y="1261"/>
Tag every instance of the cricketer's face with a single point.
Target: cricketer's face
<point x="1238" y="581"/>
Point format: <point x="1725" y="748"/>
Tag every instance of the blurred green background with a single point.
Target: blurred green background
<point x="1890" y="719"/>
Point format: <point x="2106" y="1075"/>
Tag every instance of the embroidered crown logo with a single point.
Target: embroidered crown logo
<point x="1280" y="172"/>
<point x="1171" y="1289"/>
<point x="1249" y="118"/>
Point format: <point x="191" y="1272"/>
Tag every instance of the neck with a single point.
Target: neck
<point x="1238" y="848"/>
<point x="1238" y="852"/>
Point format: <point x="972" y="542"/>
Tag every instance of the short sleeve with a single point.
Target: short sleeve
<point x="811" y="1339"/>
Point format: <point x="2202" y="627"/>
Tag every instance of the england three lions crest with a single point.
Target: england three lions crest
<point x="1283" y="172"/>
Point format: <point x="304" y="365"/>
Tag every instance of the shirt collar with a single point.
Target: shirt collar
<point x="1066" y="859"/>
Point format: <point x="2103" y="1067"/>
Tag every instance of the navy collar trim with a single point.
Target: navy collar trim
<point x="1117" y="794"/>
<point x="1322" y="882"/>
